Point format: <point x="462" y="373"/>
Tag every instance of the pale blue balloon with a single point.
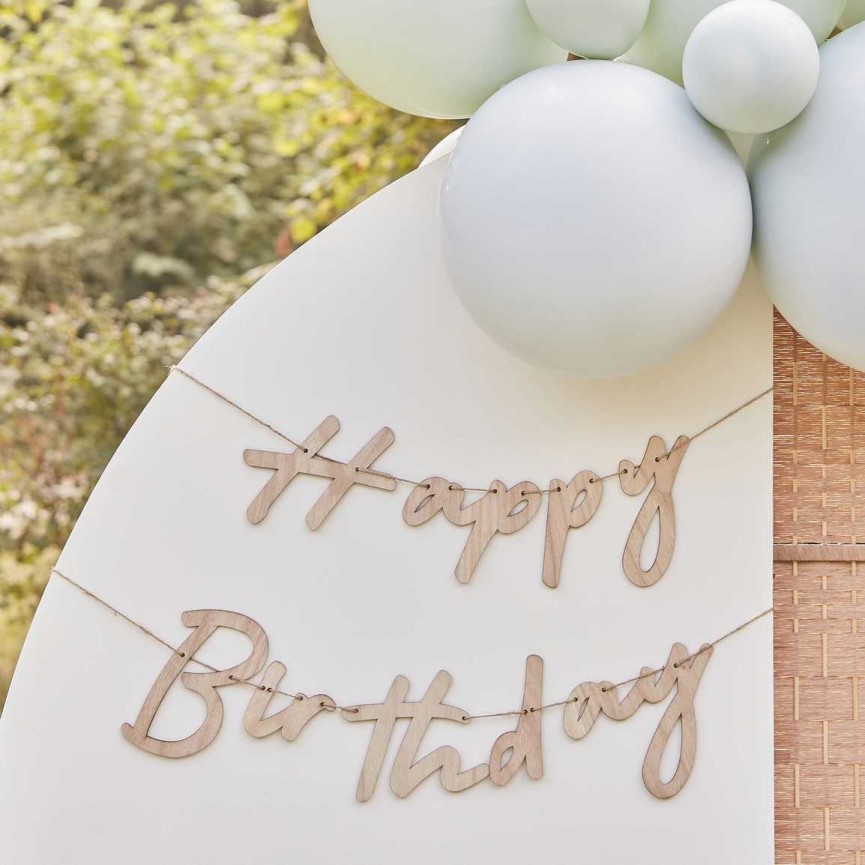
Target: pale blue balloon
<point x="671" y="22"/>
<point x="808" y="187"/>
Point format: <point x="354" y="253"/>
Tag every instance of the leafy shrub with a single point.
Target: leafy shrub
<point x="173" y="143"/>
<point x="75" y="378"/>
<point x="149" y="152"/>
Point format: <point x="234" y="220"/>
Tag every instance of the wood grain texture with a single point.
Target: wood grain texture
<point x="820" y="552"/>
<point x="819" y="606"/>
<point x="290" y="720"/>
<point x="656" y="472"/>
<point x="500" y="510"/>
<point x="306" y="460"/>
<point x="682" y="673"/>
<point x="407" y="773"/>
<point x="523" y="746"/>
<point x="204" y="623"/>
<point x="571" y="506"/>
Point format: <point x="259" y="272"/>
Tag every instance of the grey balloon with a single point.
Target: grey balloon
<point x="808" y="188"/>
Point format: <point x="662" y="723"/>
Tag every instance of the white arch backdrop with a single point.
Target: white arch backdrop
<point x="362" y="323"/>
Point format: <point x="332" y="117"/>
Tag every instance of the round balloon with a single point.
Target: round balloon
<point x="443" y="148"/>
<point x="768" y="91"/>
<point x="601" y="29"/>
<point x="437" y="59"/>
<point x="592" y="220"/>
<point x="809" y="186"/>
<point x="671" y="22"/>
<point x="854" y="13"/>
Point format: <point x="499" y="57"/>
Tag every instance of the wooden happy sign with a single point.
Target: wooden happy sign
<point x="512" y="751"/>
<point x="499" y="509"/>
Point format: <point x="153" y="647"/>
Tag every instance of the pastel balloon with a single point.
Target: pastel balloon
<point x="769" y="90"/>
<point x="808" y="187"/>
<point x="671" y="22"/>
<point x="436" y="59"/>
<point x="592" y="221"/>
<point x="443" y="148"/>
<point x="602" y="29"/>
<point x="854" y="13"/>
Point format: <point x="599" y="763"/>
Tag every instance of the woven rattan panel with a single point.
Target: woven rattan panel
<point x="819" y="606"/>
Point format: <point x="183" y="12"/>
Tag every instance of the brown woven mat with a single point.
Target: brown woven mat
<point x="819" y="602"/>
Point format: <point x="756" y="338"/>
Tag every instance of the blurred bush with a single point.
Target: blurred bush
<point x="149" y="153"/>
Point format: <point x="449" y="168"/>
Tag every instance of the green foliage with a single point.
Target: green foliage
<point x="75" y="378"/>
<point x="149" y="152"/>
<point x="174" y="143"/>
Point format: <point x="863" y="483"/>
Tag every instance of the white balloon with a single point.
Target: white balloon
<point x="601" y="29"/>
<point x="751" y="66"/>
<point x="671" y="22"/>
<point x="443" y="148"/>
<point x="854" y="13"/>
<point x="592" y="221"/>
<point x="442" y="58"/>
<point x="808" y="182"/>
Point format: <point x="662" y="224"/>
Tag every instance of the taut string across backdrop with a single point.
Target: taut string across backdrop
<point x="500" y="509"/>
<point x="581" y="709"/>
<point x="416" y="483"/>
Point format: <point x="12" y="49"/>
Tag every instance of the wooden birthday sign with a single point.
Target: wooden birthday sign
<point x="500" y="509"/>
<point x="511" y="751"/>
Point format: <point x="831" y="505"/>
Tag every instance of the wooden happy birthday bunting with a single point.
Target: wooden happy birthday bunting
<point x="499" y="509"/>
<point x="511" y="751"/>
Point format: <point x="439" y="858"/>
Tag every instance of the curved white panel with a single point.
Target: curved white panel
<point x="362" y="323"/>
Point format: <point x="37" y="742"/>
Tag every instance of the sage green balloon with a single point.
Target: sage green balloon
<point x="434" y="58"/>
<point x="854" y="13"/>
<point x="808" y="187"/>
<point x="670" y="23"/>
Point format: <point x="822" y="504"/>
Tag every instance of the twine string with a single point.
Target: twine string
<point x="165" y="643"/>
<point x="415" y="483"/>
<point x="418" y="483"/>
<point x="354" y="708"/>
<point x="630" y="681"/>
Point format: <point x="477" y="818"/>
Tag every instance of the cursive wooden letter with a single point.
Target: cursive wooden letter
<point x="570" y="506"/>
<point x="500" y="510"/>
<point x="305" y="460"/>
<point x="524" y="743"/>
<point x="680" y="711"/>
<point x="407" y="775"/>
<point x="661" y="467"/>
<point x="206" y="623"/>
<point x="682" y="673"/>
<point x="292" y="719"/>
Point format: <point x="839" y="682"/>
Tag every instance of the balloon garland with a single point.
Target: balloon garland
<point x="670" y="23"/>
<point x="601" y="29"/>
<point x="440" y="59"/>
<point x="760" y="96"/>
<point x="808" y="184"/>
<point x="594" y="222"/>
<point x="854" y="13"/>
